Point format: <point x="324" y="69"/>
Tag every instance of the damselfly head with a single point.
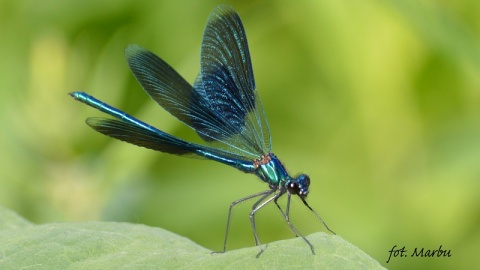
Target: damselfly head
<point x="299" y="186"/>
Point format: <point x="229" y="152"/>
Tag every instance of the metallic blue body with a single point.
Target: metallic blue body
<point x="272" y="172"/>
<point x="188" y="148"/>
<point x="222" y="106"/>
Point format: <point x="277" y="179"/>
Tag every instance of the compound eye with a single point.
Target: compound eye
<point x="299" y="186"/>
<point x="293" y="188"/>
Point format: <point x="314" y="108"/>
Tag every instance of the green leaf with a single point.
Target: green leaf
<point x="112" y="245"/>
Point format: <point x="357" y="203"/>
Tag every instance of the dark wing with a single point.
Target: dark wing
<point x="129" y="129"/>
<point x="136" y="132"/>
<point x="230" y="115"/>
<point x="226" y="81"/>
<point x="132" y="133"/>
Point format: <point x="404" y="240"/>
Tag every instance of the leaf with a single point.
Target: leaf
<point x="112" y="245"/>
<point x="10" y="220"/>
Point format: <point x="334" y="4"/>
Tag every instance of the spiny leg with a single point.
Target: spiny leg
<point x="257" y="206"/>
<point x="265" y="193"/>
<point x="318" y="216"/>
<point x="252" y="218"/>
<point x="294" y="230"/>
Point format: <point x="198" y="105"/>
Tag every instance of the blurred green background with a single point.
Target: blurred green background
<point x="378" y="101"/>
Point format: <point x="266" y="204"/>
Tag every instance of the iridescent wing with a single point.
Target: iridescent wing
<point x="129" y="129"/>
<point x="223" y="106"/>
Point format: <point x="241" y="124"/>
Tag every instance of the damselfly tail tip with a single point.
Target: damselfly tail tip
<point x="74" y="94"/>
